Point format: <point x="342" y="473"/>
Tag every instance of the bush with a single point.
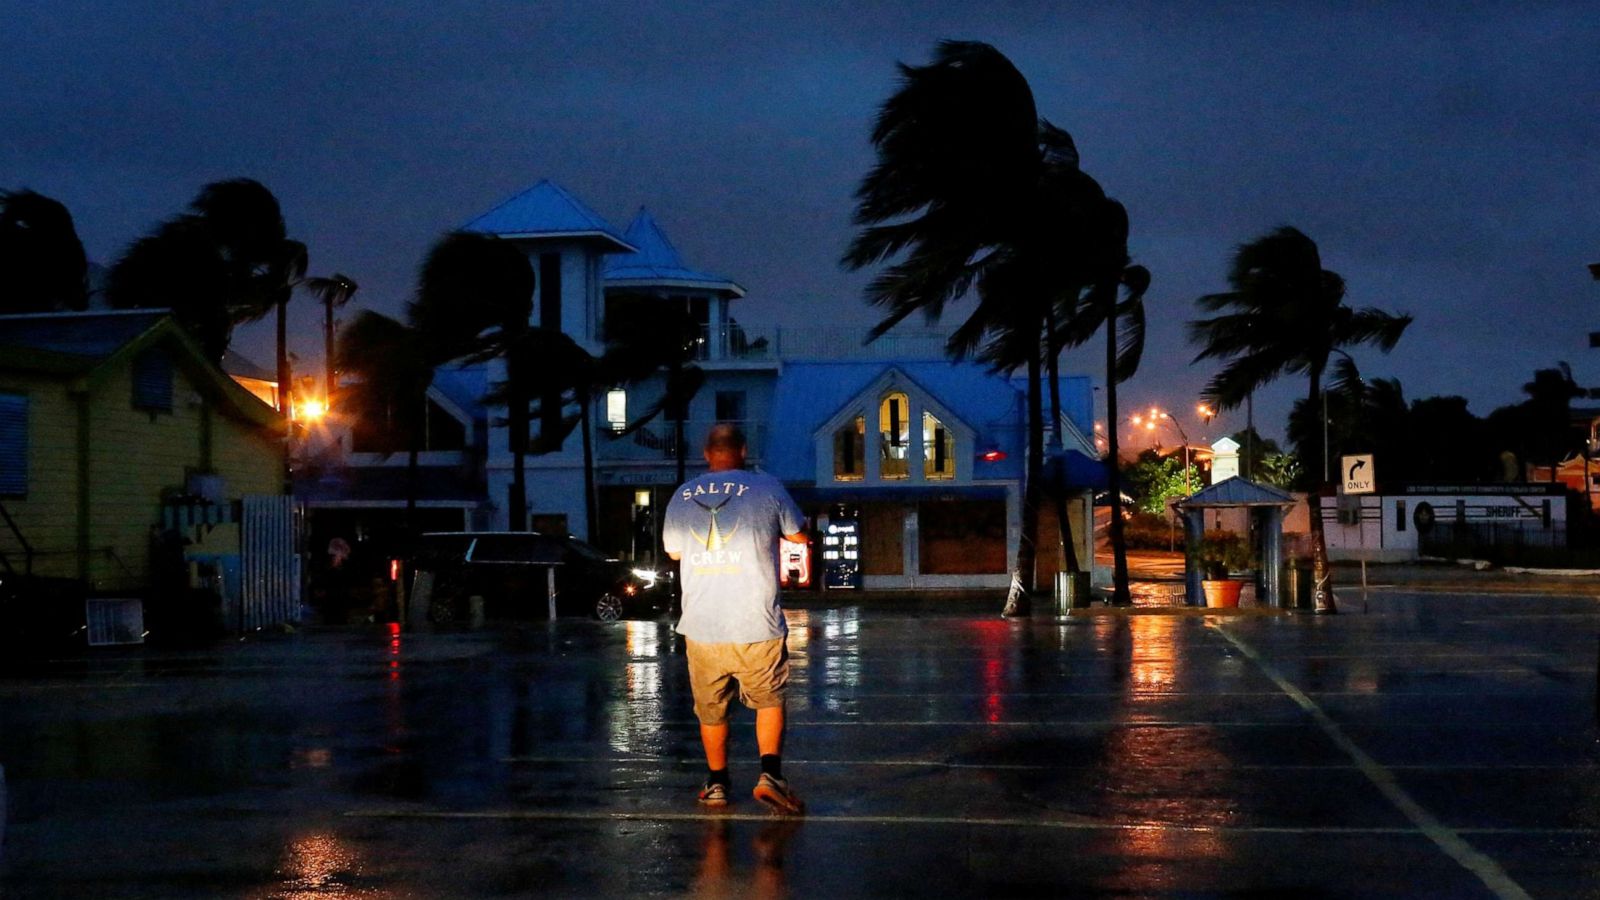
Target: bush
<point x="1222" y="552"/>
<point x="1143" y="531"/>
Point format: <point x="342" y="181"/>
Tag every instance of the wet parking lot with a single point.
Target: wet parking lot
<point x="1434" y="745"/>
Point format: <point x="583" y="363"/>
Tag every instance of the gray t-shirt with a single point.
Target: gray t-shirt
<point x="724" y="527"/>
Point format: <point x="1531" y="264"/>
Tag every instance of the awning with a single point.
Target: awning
<point x="1073" y="469"/>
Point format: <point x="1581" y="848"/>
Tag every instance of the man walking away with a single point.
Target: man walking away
<point x="724" y="527"/>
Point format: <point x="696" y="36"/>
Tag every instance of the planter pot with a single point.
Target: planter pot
<point x="1222" y="594"/>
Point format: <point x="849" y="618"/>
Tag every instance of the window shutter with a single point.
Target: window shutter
<point x="13" y="445"/>
<point x="152" y="381"/>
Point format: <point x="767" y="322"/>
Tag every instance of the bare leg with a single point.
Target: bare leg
<point x="715" y="739"/>
<point x="769" y="730"/>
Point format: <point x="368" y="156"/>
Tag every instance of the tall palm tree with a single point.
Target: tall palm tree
<point x="1285" y="313"/>
<point x="1124" y="350"/>
<point x="665" y="341"/>
<point x="392" y="367"/>
<point x="972" y="190"/>
<point x="474" y="296"/>
<point x="543" y="364"/>
<point x="42" y="264"/>
<point x="226" y="261"/>
<point x="332" y="291"/>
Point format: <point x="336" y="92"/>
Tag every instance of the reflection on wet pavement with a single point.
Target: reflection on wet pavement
<point x="943" y="752"/>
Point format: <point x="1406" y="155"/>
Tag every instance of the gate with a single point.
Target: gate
<point x="269" y="567"/>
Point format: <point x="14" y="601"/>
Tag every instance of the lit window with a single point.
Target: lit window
<point x="850" y="450"/>
<point x="893" y="415"/>
<point x="938" y="450"/>
<point x="617" y="409"/>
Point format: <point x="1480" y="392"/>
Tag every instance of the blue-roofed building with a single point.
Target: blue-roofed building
<point x="929" y="453"/>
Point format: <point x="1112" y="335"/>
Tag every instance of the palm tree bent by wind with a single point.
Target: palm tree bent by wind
<point x="973" y="193"/>
<point x="1285" y="314"/>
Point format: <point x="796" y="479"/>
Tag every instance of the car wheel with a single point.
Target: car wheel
<point x="608" y="608"/>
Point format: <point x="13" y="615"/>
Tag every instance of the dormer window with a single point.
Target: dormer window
<point x="894" y="428"/>
<point x="850" y="450"/>
<point x="938" y="450"/>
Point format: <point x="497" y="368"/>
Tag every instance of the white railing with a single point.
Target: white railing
<point x="658" y="440"/>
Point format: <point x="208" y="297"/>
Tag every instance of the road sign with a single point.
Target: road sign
<point x="1357" y="474"/>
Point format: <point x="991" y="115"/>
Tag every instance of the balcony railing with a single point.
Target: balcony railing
<point x="816" y="343"/>
<point x="657" y="441"/>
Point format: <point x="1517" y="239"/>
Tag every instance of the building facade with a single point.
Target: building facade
<point x="926" y="455"/>
<point x="114" y="429"/>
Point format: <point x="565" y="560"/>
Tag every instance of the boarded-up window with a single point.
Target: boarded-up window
<point x="13" y="445"/>
<point x="883" y="538"/>
<point x="152" y="381"/>
<point x="962" y="537"/>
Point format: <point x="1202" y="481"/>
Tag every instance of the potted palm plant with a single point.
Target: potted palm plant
<point x="1222" y="553"/>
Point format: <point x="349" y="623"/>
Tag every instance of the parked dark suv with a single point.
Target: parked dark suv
<point x="509" y="570"/>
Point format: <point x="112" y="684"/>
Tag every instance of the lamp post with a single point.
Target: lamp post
<point x="1149" y="422"/>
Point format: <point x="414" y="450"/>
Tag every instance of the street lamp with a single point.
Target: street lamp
<point x="1155" y="417"/>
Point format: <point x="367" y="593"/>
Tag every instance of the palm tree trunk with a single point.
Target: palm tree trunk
<point x="517" y="509"/>
<point x="1019" y="601"/>
<point x="1067" y="553"/>
<point x="1120" y="595"/>
<point x="285" y="393"/>
<point x="680" y="408"/>
<point x="410" y="523"/>
<point x="590" y="508"/>
<point x="1054" y="363"/>
<point x="517" y="423"/>
<point x="328" y="386"/>
<point x="1321" y="591"/>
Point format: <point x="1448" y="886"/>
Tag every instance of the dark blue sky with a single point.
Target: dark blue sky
<point x="1446" y="157"/>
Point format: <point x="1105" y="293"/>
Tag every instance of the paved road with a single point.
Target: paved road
<point x="1435" y="746"/>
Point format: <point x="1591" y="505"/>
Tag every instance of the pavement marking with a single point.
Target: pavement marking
<point x="695" y="761"/>
<point x="550" y="815"/>
<point x="1450" y="841"/>
<point x="795" y="723"/>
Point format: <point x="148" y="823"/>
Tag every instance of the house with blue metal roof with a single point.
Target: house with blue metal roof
<point x="928" y="453"/>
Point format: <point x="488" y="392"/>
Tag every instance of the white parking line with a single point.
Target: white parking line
<point x="551" y="815"/>
<point x="1450" y="841"/>
<point x="695" y="761"/>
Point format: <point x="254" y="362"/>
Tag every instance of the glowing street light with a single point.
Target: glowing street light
<point x="1157" y="416"/>
<point x="312" y="410"/>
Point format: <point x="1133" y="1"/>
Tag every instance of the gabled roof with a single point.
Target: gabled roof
<point x="87" y="347"/>
<point x="1237" y="491"/>
<point x="656" y="262"/>
<point x="546" y="210"/>
<point x="810" y="393"/>
<point x="240" y="366"/>
<point x="90" y="335"/>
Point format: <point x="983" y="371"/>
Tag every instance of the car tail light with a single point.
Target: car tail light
<point x="394" y="570"/>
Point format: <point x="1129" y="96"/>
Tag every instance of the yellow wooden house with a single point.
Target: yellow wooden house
<point x="115" y="428"/>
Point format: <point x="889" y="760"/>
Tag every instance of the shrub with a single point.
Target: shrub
<point x="1222" y="552"/>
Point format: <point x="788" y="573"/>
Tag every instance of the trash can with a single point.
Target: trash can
<point x="1072" y="591"/>
<point x="1297" y="585"/>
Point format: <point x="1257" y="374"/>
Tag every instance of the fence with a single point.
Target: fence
<point x="269" y="567"/>
<point x="1493" y="540"/>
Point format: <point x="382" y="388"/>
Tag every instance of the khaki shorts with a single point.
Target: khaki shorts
<point x="759" y="672"/>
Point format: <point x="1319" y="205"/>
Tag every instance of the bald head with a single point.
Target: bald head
<point x="725" y="447"/>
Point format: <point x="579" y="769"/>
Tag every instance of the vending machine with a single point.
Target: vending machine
<point x="841" y="548"/>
